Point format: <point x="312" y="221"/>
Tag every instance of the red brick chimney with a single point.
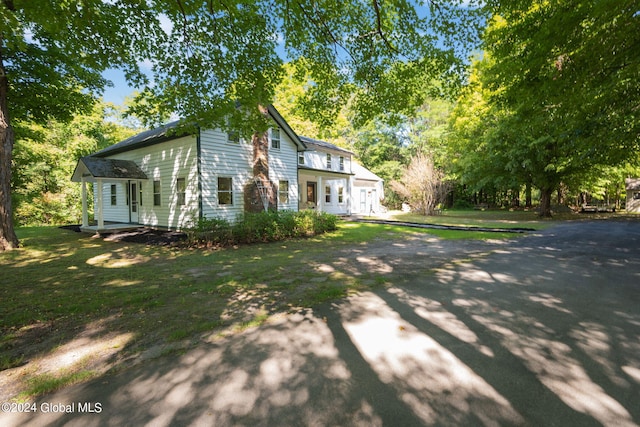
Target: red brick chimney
<point x="261" y="184"/>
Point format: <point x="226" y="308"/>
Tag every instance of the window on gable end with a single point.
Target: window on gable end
<point x="275" y="138"/>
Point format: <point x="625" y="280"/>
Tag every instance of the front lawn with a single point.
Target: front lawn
<point x="74" y="306"/>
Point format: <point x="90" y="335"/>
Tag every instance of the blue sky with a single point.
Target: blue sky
<point x="120" y="89"/>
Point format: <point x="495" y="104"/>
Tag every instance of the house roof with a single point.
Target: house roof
<point x="363" y="173"/>
<point x="168" y="132"/>
<point x="322" y="145"/>
<point x="149" y="137"/>
<point x="632" y="183"/>
<point x="91" y="168"/>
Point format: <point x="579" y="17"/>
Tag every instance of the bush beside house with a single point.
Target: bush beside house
<point x="269" y="226"/>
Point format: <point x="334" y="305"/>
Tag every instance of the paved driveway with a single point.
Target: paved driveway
<point x="540" y="331"/>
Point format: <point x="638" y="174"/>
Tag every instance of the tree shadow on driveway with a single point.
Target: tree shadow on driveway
<point x="542" y="331"/>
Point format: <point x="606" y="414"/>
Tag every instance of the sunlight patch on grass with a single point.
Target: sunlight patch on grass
<point x="113" y="260"/>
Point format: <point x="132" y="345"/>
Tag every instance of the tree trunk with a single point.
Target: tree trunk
<point x="8" y="239"/>
<point x="545" y="202"/>
<point x="527" y="195"/>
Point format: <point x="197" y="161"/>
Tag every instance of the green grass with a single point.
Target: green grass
<point x="62" y="285"/>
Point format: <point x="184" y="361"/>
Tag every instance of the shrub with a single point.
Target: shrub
<point x="211" y="231"/>
<point x="261" y="227"/>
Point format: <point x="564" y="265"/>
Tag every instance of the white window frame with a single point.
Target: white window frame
<point x="181" y="198"/>
<point x="328" y="160"/>
<point x="283" y="193"/>
<point x="229" y="191"/>
<point x="157" y="201"/>
<point x="275" y="140"/>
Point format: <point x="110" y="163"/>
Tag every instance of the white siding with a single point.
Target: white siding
<point x="318" y="160"/>
<point x="118" y="212"/>
<point x="283" y="167"/>
<point x="223" y="159"/>
<point x="166" y="162"/>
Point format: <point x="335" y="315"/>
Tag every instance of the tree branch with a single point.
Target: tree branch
<point x="379" y="31"/>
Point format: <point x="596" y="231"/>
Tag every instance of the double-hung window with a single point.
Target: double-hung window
<point x="225" y="191"/>
<point x="275" y="138"/>
<point x="328" y="161"/>
<point x="181" y="188"/>
<point x="283" y="192"/>
<point x="156" y="193"/>
<point x="114" y="195"/>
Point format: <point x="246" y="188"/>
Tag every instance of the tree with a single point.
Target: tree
<point x="422" y="184"/>
<point x="208" y="58"/>
<point x="44" y="157"/>
<point x="566" y="77"/>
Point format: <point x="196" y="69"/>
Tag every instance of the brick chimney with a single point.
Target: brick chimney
<point x="260" y="163"/>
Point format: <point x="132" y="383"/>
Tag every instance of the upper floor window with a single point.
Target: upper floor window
<point x="328" y="161"/>
<point x="301" y="157"/>
<point x="275" y="138"/>
<point x="341" y="163"/>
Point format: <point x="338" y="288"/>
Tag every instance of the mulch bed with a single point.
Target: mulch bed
<point x="141" y="235"/>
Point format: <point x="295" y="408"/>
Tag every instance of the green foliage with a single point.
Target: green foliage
<point x="261" y="227"/>
<point x="43" y="160"/>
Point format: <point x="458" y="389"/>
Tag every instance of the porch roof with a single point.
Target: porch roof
<point x="91" y="168"/>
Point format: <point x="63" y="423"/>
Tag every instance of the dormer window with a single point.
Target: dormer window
<point x="301" y="157"/>
<point x="328" y="161"/>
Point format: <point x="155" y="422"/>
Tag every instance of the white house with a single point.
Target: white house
<point x="331" y="181"/>
<point x="160" y="178"/>
<point x="632" y="186"/>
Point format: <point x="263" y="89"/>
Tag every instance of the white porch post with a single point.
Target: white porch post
<point x="349" y="191"/>
<point x="320" y="194"/>
<point x="100" y="204"/>
<point x="85" y="214"/>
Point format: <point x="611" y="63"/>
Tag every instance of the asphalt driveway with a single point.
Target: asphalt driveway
<point x="543" y="330"/>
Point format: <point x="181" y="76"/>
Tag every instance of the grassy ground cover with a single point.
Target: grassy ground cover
<point x="74" y="306"/>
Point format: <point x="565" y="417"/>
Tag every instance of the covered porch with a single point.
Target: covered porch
<point x="99" y="171"/>
<point x="325" y="191"/>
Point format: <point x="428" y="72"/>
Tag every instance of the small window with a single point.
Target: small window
<point x="340" y="194"/>
<point x="341" y="163"/>
<point x="233" y="137"/>
<point x="328" y="161"/>
<point x="114" y="197"/>
<point x="140" y="195"/>
<point x="301" y="157"/>
<point x="283" y="192"/>
<point x="327" y="194"/>
<point x="225" y="191"/>
<point x="156" y="193"/>
<point x="181" y="188"/>
<point x="636" y="196"/>
<point x="275" y="138"/>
